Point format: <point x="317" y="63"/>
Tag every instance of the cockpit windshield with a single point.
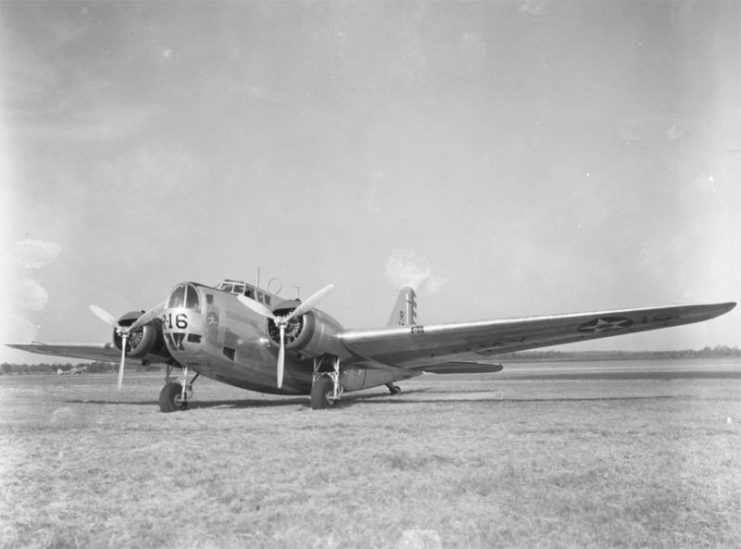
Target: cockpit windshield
<point x="237" y="287"/>
<point x="185" y="295"/>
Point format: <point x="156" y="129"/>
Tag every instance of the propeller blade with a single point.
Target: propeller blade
<point x="148" y="316"/>
<point x="253" y="305"/>
<point x="105" y="316"/>
<point x="124" y="338"/>
<point x="281" y="355"/>
<point x="310" y="303"/>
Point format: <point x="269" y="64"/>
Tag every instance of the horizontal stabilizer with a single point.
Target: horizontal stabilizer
<point x="463" y="368"/>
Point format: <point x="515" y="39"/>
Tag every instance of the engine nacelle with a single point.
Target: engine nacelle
<point x="142" y="341"/>
<point x="312" y="334"/>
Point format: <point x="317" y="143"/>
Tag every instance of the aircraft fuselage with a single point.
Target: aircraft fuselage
<point x="212" y="333"/>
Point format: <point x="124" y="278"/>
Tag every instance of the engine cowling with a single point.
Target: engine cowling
<point x="312" y="334"/>
<point x="142" y="341"/>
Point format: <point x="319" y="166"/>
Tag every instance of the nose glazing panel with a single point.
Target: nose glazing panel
<point x="185" y="296"/>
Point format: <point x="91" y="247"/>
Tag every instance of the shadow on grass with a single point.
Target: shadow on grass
<point x="242" y="403"/>
<point x="194" y="404"/>
<point x="524" y="400"/>
<point x="367" y="399"/>
<point x="623" y="376"/>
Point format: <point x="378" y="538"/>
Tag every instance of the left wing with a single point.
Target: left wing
<point x="419" y="346"/>
<point x="105" y="352"/>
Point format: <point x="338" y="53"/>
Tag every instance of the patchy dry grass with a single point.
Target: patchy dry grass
<point x="453" y="462"/>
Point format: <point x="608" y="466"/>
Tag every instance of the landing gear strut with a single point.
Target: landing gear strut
<point x="393" y="389"/>
<point x="325" y="387"/>
<point x="175" y="394"/>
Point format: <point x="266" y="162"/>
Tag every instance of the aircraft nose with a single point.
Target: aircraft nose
<point x="182" y="320"/>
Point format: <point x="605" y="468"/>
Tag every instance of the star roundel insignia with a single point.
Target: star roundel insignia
<point x="605" y="324"/>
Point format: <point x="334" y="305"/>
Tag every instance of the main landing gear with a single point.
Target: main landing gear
<point x="393" y="388"/>
<point x="175" y="394"/>
<point x="325" y="386"/>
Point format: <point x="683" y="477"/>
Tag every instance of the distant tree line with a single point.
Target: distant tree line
<point x="90" y="367"/>
<point x="720" y="351"/>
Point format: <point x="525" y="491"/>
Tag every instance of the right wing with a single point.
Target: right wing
<point x="106" y="352"/>
<point x="457" y="346"/>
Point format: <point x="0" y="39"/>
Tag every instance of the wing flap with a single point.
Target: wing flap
<point x="418" y="346"/>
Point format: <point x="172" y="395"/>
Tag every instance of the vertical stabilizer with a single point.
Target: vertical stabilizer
<point x="405" y="308"/>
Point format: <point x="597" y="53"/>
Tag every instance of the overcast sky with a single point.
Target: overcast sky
<point x="509" y="158"/>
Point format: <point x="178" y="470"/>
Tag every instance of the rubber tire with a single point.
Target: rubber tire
<point x="170" y="398"/>
<point x="323" y="387"/>
<point x="395" y="391"/>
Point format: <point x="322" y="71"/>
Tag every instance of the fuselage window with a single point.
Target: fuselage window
<point x="229" y="353"/>
<point x="238" y="289"/>
<point x="226" y="287"/>
<point x="267" y="300"/>
<point x="249" y="292"/>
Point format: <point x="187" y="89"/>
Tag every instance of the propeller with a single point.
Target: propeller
<point x="282" y="321"/>
<point x="124" y="331"/>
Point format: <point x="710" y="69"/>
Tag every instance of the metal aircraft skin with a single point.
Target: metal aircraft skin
<point x="244" y="336"/>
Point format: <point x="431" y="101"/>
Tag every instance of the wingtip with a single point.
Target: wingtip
<point x="722" y="308"/>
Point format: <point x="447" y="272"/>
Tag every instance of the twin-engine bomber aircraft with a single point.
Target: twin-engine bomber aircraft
<point x="246" y="337"/>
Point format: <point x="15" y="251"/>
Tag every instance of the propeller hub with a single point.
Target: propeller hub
<point x="291" y="327"/>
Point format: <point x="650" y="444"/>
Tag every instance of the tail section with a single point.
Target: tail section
<point x="405" y="309"/>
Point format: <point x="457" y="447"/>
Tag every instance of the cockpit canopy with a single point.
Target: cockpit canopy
<point x="185" y="295"/>
<point x="237" y="287"/>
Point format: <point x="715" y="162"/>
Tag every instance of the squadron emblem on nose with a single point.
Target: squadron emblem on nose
<point x="606" y="324"/>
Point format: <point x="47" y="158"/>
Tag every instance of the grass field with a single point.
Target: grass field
<point x="454" y="461"/>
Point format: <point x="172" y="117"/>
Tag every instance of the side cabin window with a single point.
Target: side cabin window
<point x="249" y="291"/>
<point x="264" y="298"/>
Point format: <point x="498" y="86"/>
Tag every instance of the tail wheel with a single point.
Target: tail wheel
<point x="171" y="398"/>
<point x="322" y="392"/>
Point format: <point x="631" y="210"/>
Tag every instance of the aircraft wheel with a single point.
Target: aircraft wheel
<point x="394" y="389"/>
<point x="321" y="393"/>
<point x="170" y="398"/>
